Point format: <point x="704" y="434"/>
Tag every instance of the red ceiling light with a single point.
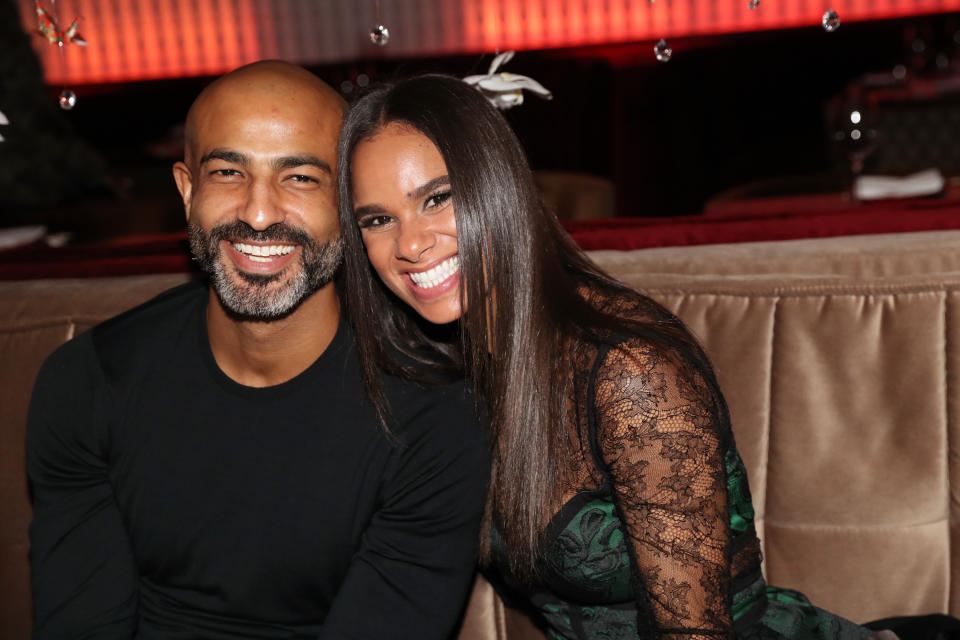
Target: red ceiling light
<point x="136" y="40"/>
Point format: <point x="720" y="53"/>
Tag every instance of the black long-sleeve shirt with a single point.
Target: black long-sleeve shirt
<point x="172" y="502"/>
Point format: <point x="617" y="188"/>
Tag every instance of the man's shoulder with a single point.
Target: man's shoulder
<point x="443" y="389"/>
<point x="115" y="350"/>
<point x="440" y="432"/>
<point x="445" y="406"/>
<point x="164" y="312"/>
<point x="135" y="328"/>
<point x="148" y="329"/>
<point x="156" y="312"/>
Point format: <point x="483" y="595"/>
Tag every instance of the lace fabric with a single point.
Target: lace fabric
<point x="655" y="431"/>
<point x="661" y="443"/>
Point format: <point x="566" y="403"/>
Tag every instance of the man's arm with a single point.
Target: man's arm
<point x="412" y="574"/>
<point x="83" y="574"/>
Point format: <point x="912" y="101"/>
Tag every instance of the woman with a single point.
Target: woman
<point x="618" y="503"/>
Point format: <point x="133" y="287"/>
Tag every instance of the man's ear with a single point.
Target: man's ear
<point x="184" y="180"/>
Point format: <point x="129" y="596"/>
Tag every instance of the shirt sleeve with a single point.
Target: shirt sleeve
<point x="662" y="440"/>
<point x="417" y="560"/>
<point x="83" y="575"/>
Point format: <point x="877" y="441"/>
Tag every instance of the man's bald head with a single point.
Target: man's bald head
<point x="264" y="81"/>
<point x="258" y="184"/>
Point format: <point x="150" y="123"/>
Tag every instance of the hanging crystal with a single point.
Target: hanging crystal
<point x="68" y="100"/>
<point x="830" y="21"/>
<point x="663" y="51"/>
<point x="380" y="35"/>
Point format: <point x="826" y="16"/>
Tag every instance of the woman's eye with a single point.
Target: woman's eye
<point x="371" y="222"/>
<point x="437" y="200"/>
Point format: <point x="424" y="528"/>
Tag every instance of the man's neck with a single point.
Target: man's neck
<point x="264" y="354"/>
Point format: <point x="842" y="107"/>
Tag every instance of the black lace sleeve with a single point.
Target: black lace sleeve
<point x="662" y="442"/>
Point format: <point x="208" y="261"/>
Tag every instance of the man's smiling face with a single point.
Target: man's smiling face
<point x="259" y="189"/>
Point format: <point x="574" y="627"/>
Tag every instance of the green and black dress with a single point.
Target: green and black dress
<point x="656" y="536"/>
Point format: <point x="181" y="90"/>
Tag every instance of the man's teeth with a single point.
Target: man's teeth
<point x="259" y="253"/>
<point x="433" y="277"/>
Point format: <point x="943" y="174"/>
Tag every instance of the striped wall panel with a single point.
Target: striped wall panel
<point x="144" y="39"/>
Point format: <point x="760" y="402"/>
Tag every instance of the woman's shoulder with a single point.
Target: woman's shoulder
<point x="641" y="363"/>
<point x="635" y="332"/>
<point x="645" y="391"/>
<point x="652" y="370"/>
<point x="613" y="298"/>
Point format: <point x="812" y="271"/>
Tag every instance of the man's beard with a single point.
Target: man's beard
<point x="254" y="296"/>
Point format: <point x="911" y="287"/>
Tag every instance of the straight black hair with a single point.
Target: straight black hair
<point x="532" y="293"/>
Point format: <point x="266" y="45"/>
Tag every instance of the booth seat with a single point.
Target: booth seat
<point x="839" y="358"/>
<point x="732" y="221"/>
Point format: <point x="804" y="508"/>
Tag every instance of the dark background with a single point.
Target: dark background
<point x="724" y="112"/>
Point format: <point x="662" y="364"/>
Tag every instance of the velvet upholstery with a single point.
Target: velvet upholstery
<point x="839" y="358"/>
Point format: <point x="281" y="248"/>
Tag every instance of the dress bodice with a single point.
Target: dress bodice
<point x="658" y="538"/>
<point x="586" y="586"/>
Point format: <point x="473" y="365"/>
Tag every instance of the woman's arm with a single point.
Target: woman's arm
<point x="662" y="440"/>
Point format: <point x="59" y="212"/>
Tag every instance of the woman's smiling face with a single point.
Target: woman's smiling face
<point x="403" y="205"/>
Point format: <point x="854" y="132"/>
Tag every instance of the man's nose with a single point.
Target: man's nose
<point x="414" y="239"/>
<point x="262" y="208"/>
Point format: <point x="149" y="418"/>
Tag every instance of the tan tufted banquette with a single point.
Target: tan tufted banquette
<point x="840" y="359"/>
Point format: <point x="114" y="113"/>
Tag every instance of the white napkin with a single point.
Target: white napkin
<point x="922" y="183"/>
<point x="17" y="236"/>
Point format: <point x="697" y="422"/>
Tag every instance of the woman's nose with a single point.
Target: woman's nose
<point x="413" y="240"/>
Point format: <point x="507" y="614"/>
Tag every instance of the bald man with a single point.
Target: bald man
<point x="208" y="465"/>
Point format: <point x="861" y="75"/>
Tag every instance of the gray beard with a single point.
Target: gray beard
<point x="265" y="297"/>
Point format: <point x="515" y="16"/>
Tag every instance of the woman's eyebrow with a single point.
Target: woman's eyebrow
<point x="366" y="210"/>
<point x="427" y="187"/>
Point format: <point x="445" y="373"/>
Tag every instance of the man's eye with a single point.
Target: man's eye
<point x="437" y="200"/>
<point x="371" y="222"/>
<point x="226" y="173"/>
<point x="302" y="179"/>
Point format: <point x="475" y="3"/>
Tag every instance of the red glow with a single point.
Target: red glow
<point x="575" y="33"/>
<point x="492" y="22"/>
<point x="135" y="40"/>
<point x="513" y="25"/>
<point x="554" y="24"/>
<point x="533" y="18"/>
<point x="597" y="25"/>
<point x="471" y="27"/>
<point x="617" y="19"/>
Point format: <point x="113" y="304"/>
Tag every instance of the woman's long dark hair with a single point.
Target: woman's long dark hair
<point x="526" y="305"/>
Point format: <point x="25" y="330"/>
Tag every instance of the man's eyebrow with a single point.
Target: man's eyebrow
<point x="426" y="188"/>
<point x="291" y="162"/>
<point x="233" y="157"/>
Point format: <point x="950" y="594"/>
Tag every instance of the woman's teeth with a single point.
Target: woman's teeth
<point x="433" y="277"/>
<point x="259" y="253"/>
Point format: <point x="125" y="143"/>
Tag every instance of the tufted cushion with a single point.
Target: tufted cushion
<point x="839" y="358"/>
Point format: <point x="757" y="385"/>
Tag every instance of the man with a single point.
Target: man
<point x="208" y="465"/>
